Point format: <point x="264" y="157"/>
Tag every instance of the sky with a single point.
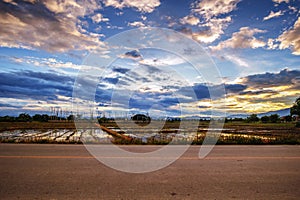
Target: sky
<point x="50" y="49"/>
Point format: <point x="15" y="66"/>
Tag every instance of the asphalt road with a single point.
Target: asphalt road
<point x="45" y="171"/>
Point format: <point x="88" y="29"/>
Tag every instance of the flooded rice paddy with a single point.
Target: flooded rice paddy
<point x="140" y="135"/>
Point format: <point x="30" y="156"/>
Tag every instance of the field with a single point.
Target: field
<point x="157" y="133"/>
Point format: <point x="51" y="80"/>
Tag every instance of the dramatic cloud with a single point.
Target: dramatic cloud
<point x="213" y="22"/>
<point x="283" y="78"/>
<point x="291" y="38"/>
<point x="35" y="85"/>
<point x="257" y="93"/>
<point x="49" y="25"/>
<point x="40" y="90"/>
<point x="146" y="6"/>
<point x="273" y="15"/>
<point x="242" y="39"/>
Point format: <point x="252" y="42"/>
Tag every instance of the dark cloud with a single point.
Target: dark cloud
<point x="111" y="80"/>
<point x="120" y="70"/>
<point x="284" y="77"/>
<point x="271" y="92"/>
<point x="35" y="85"/>
<point x="235" y="88"/>
<point x="169" y="101"/>
<point x="197" y="92"/>
<point x="133" y="54"/>
<point x="146" y="102"/>
<point x="202" y="91"/>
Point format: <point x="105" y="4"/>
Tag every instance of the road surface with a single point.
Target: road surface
<point x="48" y="171"/>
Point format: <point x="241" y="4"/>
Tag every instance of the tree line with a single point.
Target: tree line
<point x="24" y="117"/>
<point x="275" y="118"/>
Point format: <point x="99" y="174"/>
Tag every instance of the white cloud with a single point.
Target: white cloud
<point x="212" y="24"/>
<point x="209" y="8"/>
<point x="291" y="38"/>
<point x="215" y="28"/>
<point x="162" y="62"/>
<point x="146" y="6"/>
<point x="136" y="24"/>
<point x="280" y="1"/>
<point x="72" y="8"/>
<point x="143" y="18"/>
<point x="242" y="39"/>
<point x="272" y="44"/>
<point x="191" y="20"/>
<point x="272" y="15"/>
<point x="99" y="18"/>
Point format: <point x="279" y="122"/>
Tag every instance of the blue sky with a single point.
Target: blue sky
<point x="254" y="45"/>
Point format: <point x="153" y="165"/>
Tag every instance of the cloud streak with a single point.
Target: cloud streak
<point x="35" y="85"/>
<point x="273" y="15"/>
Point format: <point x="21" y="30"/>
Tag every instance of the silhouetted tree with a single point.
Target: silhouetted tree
<point x="7" y="119"/>
<point x="265" y="119"/>
<point x="71" y="118"/>
<point x="274" y="118"/>
<point x="40" y="118"/>
<point x="288" y="118"/>
<point x="23" y="117"/>
<point x="253" y="118"/>
<point x="295" y="109"/>
<point x="37" y="117"/>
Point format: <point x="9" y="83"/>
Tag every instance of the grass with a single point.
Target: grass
<point x="7" y="126"/>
